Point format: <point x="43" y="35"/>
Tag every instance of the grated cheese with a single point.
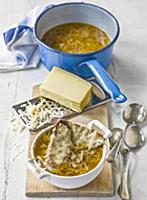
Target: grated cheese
<point x="35" y="115"/>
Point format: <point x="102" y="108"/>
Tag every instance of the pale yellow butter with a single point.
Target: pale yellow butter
<point x="66" y="89"/>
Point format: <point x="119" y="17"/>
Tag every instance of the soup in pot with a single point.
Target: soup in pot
<point x="76" y="38"/>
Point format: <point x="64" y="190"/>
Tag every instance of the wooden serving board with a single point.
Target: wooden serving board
<point x="101" y="186"/>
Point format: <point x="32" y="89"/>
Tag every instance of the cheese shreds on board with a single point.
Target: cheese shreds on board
<point x="66" y="89"/>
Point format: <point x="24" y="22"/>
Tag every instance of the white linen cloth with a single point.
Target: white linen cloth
<point x="18" y="48"/>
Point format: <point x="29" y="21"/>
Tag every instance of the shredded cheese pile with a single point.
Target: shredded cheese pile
<point x="35" y="115"/>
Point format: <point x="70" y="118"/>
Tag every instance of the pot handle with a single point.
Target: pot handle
<point x="105" y="80"/>
<point x="36" y="170"/>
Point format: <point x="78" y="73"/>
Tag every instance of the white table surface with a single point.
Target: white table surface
<point x="130" y="71"/>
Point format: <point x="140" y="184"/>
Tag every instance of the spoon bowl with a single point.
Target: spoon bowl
<point x="134" y="113"/>
<point x="134" y="137"/>
<point x="116" y="134"/>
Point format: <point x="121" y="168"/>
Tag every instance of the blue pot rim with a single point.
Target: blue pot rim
<point x="73" y="54"/>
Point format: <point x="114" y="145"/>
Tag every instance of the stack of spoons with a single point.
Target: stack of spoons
<point x="125" y="142"/>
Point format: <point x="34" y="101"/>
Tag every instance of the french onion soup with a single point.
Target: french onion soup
<point x="69" y="149"/>
<point x="76" y="38"/>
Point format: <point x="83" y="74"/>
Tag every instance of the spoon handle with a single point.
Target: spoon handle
<point x="123" y="190"/>
<point x="111" y="157"/>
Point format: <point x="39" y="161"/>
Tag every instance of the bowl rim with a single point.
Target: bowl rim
<point x="74" y="54"/>
<point x="103" y="159"/>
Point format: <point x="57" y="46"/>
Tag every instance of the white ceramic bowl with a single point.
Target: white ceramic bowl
<point x="70" y="182"/>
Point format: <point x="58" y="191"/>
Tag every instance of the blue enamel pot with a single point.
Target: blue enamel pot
<point x="88" y="64"/>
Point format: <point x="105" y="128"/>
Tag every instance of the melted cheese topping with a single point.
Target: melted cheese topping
<point x="90" y="137"/>
<point x="59" y="146"/>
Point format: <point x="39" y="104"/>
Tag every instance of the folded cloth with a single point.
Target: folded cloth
<point x="18" y="47"/>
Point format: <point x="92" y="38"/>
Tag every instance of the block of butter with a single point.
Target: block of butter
<point x="66" y="89"/>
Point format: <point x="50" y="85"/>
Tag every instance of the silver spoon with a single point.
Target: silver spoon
<point x="134" y="113"/>
<point x="115" y="141"/>
<point x="116" y="133"/>
<point x="114" y="138"/>
<point x="133" y="139"/>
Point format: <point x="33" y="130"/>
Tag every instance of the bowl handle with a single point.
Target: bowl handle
<point x="104" y="80"/>
<point x="98" y="124"/>
<point x="36" y="170"/>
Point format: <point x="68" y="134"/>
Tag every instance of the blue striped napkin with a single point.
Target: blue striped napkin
<point x="19" y="50"/>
